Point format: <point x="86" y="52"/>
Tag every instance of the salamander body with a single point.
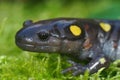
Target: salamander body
<point x="95" y="41"/>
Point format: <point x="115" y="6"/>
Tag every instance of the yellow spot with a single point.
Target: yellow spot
<point x="102" y="60"/>
<point x="105" y="26"/>
<point x="76" y="31"/>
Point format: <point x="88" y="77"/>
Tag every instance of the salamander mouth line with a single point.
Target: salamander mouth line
<point x="34" y="45"/>
<point x="38" y="48"/>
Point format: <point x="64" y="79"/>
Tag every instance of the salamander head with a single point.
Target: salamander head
<point x="50" y="36"/>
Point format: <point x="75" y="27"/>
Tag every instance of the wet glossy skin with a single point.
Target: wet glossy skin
<point x="83" y="39"/>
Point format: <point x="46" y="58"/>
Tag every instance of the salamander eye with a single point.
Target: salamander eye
<point x="27" y="23"/>
<point x="43" y="35"/>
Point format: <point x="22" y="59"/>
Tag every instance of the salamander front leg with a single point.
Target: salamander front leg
<point x="75" y="67"/>
<point x="93" y="66"/>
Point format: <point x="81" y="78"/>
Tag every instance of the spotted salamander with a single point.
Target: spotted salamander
<point x="91" y="40"/>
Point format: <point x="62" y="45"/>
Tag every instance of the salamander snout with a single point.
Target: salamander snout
<point x="23" y="38"/>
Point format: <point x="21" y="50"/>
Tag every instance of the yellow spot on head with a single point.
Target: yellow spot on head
<point x="105" y="26"/>
<point x="76" y="31"/>
<point x="102" y="60"/>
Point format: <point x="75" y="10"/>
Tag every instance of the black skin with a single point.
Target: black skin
<point x="54" y="35"/>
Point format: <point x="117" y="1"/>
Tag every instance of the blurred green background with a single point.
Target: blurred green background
<point x="17" y="64"/>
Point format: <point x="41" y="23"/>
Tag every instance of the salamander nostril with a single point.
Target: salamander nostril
<point x="20" y="38"/>
<point x="43" y="35"/>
